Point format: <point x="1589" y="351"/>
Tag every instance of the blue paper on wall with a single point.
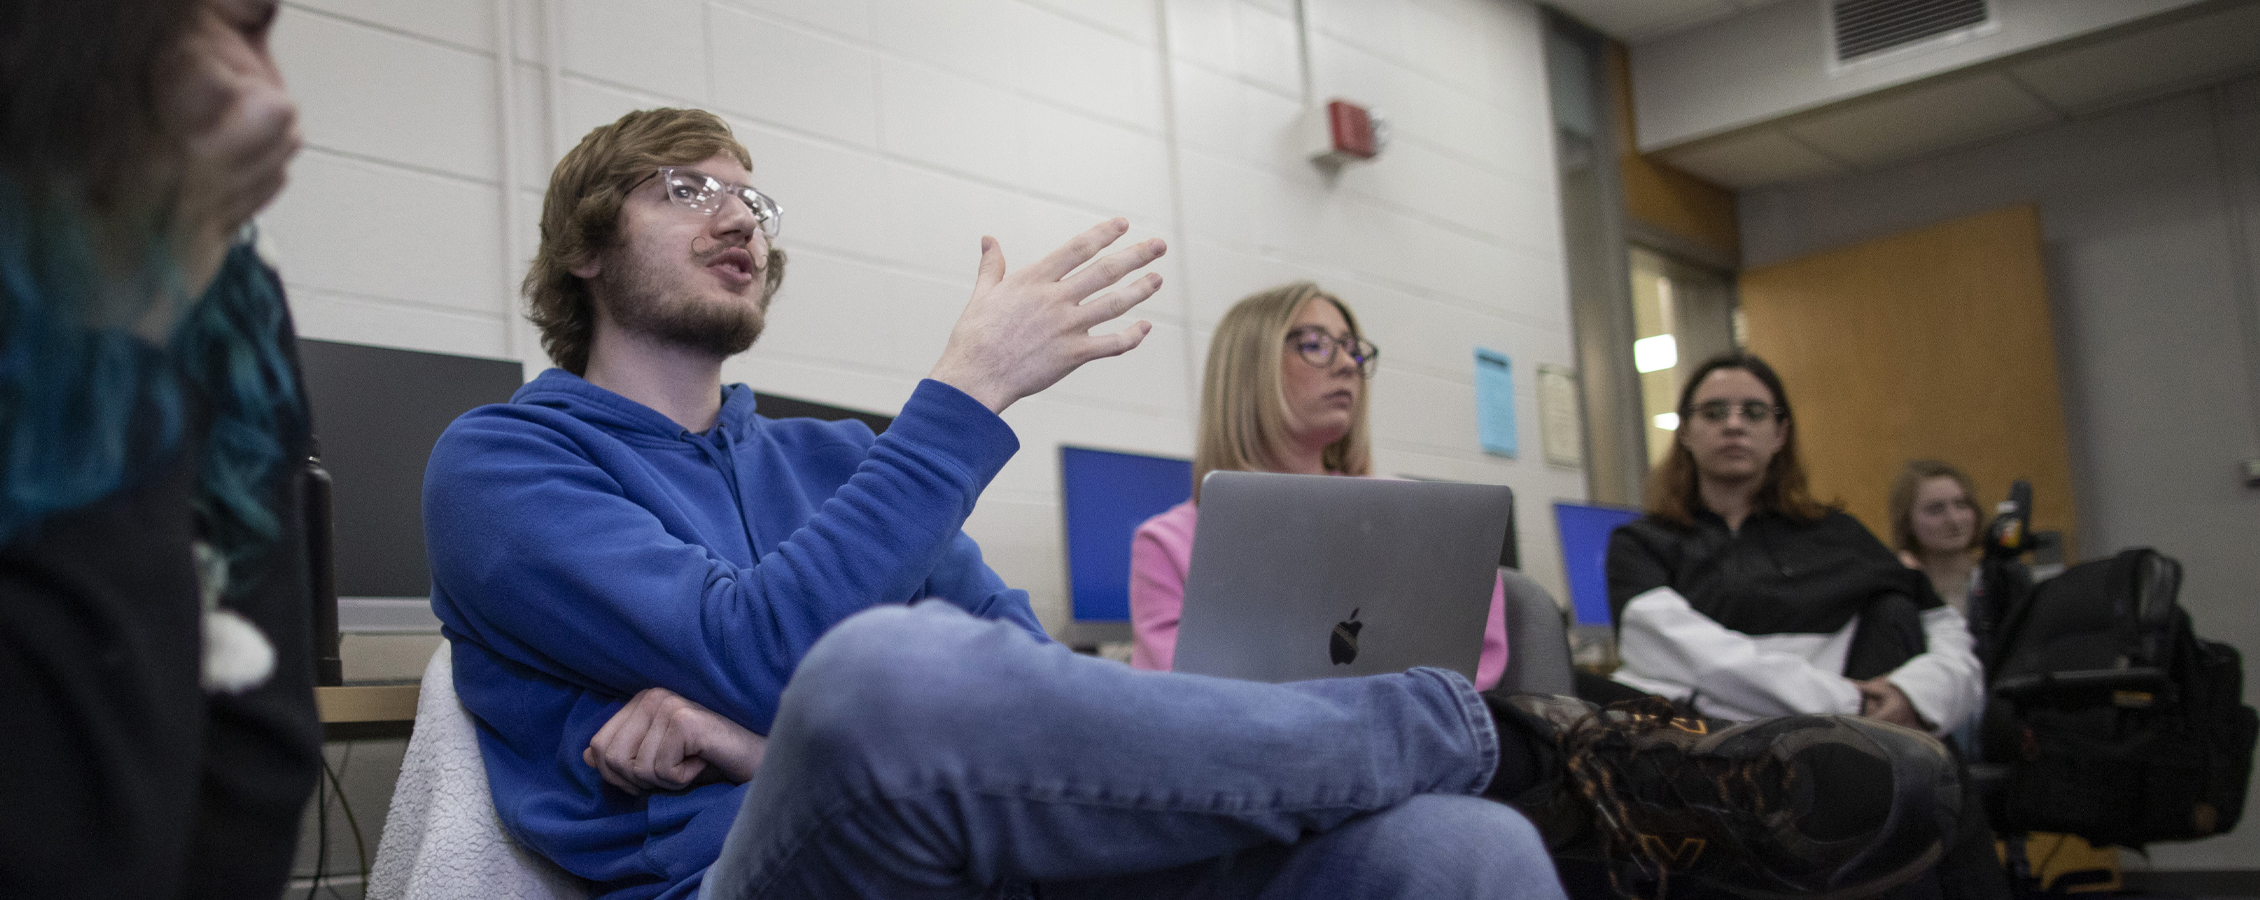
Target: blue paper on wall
<point x="1494" y="402"/>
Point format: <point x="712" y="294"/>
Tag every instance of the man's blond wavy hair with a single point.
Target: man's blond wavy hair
<point x="580" y="217"/>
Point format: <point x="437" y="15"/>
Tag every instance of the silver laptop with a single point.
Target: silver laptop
<point x="1313" y="576"/>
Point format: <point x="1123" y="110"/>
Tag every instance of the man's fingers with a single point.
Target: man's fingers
<point x="992" y="266"/>
<point x="604" y="735"/>
<point x="616" y="744"/>
<point x="620" y="752"/>
<point x="1113" y="304"/>
<point x="1102" y="346"/>
<point x="661" y="758"/>
<point x="644" y="766"/>
<point x="1110" y="268"/>
<point x="604" y="769"/>
<point x="1077" y="251"/>
<point x="616" y="779"/>
<point x="680" y="760"/>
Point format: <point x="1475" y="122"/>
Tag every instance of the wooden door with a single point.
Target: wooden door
<point x="1929" y="343"/>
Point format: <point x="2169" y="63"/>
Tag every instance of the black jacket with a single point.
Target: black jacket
<point x="1775" y="576"/>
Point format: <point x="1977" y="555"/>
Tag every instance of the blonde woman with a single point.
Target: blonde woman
<point x="1934" y="526"/>
<point x="1285" y="392"/>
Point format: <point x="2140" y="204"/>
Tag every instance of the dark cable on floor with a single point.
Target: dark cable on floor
<point x="329" y="778"/>
<point x="321" y="831"/>
<point x="360" y="848"/>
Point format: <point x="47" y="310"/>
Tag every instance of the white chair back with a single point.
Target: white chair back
<point x="442" y="839"/>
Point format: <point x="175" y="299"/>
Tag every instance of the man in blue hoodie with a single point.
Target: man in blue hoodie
<point x="717" y="654"/>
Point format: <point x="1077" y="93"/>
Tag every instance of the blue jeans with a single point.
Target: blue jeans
<point x="920" y="752"/>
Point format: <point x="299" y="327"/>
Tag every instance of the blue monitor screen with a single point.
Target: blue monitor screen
<point x="1585" y="555"/>
<point x="1107" y="496"/>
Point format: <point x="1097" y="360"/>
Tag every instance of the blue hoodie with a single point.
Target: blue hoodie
<point x="585" y="547"/>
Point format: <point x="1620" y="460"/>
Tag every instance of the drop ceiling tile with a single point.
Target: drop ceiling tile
<point x="1873" y="132"/>
<point x="1751" y="158"/>
<point x="2190" y="52"/>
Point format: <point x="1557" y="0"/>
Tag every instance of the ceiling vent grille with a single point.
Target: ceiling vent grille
<point x="1868" y="27"/>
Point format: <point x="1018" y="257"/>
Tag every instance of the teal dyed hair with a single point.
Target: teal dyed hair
<point x="89" y="407"/>
<point x="235" y="349"/>
<point x="72" y="372"/>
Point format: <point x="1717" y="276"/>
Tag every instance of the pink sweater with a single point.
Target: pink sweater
<point x="1162" y="551"/>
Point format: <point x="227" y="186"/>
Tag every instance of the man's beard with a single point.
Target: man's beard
<point x="644" y="305"/>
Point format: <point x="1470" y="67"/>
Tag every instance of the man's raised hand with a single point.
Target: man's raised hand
<point x="1024" y="331"/>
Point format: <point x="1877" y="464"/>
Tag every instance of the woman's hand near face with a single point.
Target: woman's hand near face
<point x="222" y="100"/>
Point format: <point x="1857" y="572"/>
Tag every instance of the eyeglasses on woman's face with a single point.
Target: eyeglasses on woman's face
<point x="701" y="193"/>
<point x="1755" y="412"/>
<point x="1317" y="347"/>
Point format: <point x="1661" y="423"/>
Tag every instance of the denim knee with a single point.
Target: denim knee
<point x="884" y="681"/>
<point x="1449" y="845"/>
<point x="1462" y="831"/>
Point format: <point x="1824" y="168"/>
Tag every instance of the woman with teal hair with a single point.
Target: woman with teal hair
<point x="155" y="662"/>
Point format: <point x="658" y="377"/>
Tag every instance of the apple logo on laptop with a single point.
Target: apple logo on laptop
<point x="1344" y="647"/>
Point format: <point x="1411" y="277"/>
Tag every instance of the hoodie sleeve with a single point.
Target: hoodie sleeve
<point x="964" y="579"/>
<point x="540" y="553"/>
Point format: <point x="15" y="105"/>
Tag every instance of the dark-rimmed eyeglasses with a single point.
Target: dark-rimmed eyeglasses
<point x="699" y="192"/>
<point x="1317" y="347"/>
<point x="1755" y="412"/>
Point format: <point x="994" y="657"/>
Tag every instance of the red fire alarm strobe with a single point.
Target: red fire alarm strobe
<point x="1343" y="132"/>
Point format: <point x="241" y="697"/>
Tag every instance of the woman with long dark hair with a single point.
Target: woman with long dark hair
<point x="1740" y="592"/>
<point x="155" y="661"/>
<point x="1741" y="595"/>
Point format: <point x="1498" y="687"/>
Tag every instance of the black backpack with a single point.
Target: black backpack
<point x="2112" y="719"/>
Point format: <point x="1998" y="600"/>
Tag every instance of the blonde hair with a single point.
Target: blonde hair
<point x="1903" y="490"/>
<point x="580" y="217"/>
<point x="1244" y="403"/>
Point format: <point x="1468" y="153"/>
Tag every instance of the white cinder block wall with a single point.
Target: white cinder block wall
<point x="896" y="132"/>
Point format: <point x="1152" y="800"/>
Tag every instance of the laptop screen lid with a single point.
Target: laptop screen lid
<point x="1296" y="577"/>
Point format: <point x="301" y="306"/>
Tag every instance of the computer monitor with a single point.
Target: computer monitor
<point x="377" y="411"/>
<point x="1105" y="496"/>
<point x="1584" y="532"/>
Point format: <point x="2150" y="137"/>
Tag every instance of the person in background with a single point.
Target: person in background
<point x="1285" y="391"/>
<point x="156" y="671"/>
<point x="1739" y="594"/>
<point x="1934" y="526"/>
<point x="1737" y="589"/>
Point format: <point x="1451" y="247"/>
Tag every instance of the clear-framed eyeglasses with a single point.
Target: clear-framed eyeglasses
<point x="702" y="193"/>
<point x="1317" y="347"/>
<point x="1755" y="412"/>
